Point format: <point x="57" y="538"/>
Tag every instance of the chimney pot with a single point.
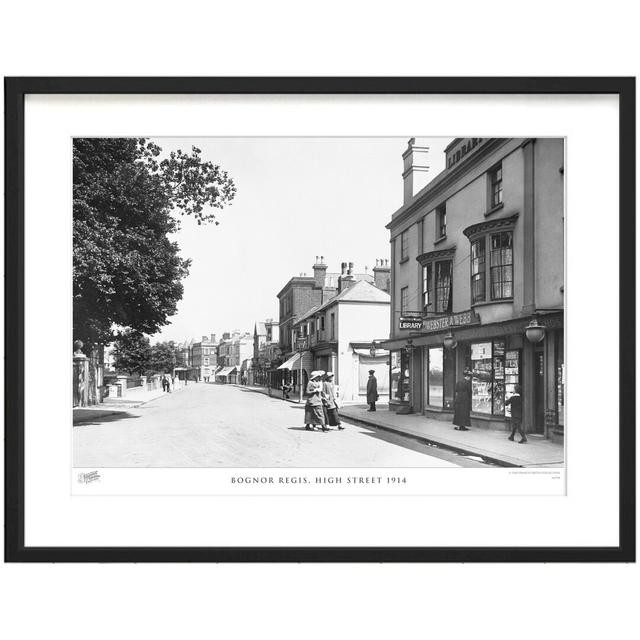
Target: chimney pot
<point x="416" y="170"/>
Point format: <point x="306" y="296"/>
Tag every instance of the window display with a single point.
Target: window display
<point x="511" y="376"/>
<point x="481" y="377"/>
<point x="495" y="372"/>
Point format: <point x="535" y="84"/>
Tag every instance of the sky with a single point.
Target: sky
<point x="297" y="198"/>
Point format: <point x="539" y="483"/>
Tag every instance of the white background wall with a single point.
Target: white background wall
<point x="357" y="323"/>
<point x="530" y="602"/>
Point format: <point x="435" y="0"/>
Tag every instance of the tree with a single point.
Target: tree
<point x="127" y="272"/>
<point x="163" y="357"/>
<point x="131" y="352"/>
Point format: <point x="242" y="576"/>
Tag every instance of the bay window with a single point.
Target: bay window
<point x="502" y="265"/>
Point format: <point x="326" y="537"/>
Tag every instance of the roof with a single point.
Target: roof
<point x="361" y="291"/>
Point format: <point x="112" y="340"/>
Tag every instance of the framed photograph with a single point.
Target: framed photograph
<point x="320" y="319"/>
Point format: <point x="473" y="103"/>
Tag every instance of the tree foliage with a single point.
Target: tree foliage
<point x="127" y="272"/>
<point x="164" y="357"/>
<point x="131" y="353"/>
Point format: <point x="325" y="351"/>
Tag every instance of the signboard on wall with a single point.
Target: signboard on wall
<point x="410" y="322"/>
<point x="453" y="320"/>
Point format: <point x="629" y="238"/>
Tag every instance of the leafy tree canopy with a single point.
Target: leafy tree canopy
<point x="131" y="352"/>
<point x="127" y="272"/>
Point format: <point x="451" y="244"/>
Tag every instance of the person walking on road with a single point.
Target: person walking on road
<point x="165" y="383"/>
<point x="515" y="402"/>
<point x="462" y="403"/>
<point x="331" y="401"/>
<point x="372" y="390"/>
<point x="313" y="410"/>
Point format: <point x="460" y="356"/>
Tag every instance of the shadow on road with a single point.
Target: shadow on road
<point x="112" y="417"/>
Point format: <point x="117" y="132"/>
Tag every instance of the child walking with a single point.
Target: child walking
<point x="515" y="402"/>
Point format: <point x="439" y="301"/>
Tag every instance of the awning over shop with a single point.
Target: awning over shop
<point x="380" y="353"/>
<point x="290" y="362"/>
<point x="226" y="371"/>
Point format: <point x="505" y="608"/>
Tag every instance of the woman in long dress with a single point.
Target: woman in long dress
<point x="331" y="401"/>
<point x="462" y="403"/>
<point x="313" y="410"/>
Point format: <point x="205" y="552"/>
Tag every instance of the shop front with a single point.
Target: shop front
<point x="425" y="368"/>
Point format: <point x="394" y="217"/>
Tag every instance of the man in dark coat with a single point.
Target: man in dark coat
<point x="372" y="391"/>
<point x="462" y="403"/>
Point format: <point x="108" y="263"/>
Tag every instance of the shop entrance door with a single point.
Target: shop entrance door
<point x="538" y="413"/>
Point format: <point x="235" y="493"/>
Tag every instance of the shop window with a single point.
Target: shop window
<point x="478" y="266"/>
<point x="440" y="377"/>
<point x="444" y="285"/>
<point x="481" y="361"/>
<point x="427" y="287"/>
<point x="502" y="265"/>
<point x="404" y="298"/>
<point x="511" y="375"/>
<point x="495" y="372"/>
<point x="441" y="221"/>
<point x="495" y="186"/>
<point x="435" y="377"/>
<point x="399" y="376"/>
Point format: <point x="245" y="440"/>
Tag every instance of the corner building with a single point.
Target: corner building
<point x="477" y="265"/>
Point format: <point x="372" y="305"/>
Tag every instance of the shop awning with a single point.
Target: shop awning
<point x="380" y="353"/>
<point x="290" y="362"/>
<point x="226" y="371"/>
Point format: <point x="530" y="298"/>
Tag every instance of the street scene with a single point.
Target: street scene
<point x="230" y="426"/>
<point x="225" y="318"/>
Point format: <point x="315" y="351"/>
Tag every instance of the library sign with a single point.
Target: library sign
<point x="410" y="322"/>
<point x="454" y="320"/>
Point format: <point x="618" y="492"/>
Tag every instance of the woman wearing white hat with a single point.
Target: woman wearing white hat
<point x="313" y="411"/>
<point x="331" y="401"/>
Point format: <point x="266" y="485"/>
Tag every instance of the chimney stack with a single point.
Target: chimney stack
<point x="382" y="275"/>
<point x="346" y="279"/>
<point x="319" y="272"/>
<point x="213" y="337"/>
<point x="416" y="169"/>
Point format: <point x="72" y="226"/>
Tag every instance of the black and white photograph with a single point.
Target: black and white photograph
<point x="318" y="302"/>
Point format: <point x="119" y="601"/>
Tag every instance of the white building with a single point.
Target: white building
<point x="340" y="336"/>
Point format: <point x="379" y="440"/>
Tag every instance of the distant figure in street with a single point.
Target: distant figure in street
<point x="286" y="389"/>
<point x="165" y="383"/>
<point x="515" y="402"/>
<point x="313" y="410"/>
<point x="331" y="401"/>
<point x="462" y="403"/>
<point x="372" y="390"/>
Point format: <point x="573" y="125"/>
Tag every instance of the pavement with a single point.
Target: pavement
<point x="113" y="406"/>
<point x="210" y="425"/>
<point x="492" y="445"/>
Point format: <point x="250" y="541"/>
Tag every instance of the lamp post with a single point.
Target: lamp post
<point x="534" y="331"/>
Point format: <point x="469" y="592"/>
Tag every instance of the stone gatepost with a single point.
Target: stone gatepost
<point x="122" y="386"/>
<point x="80" y="376"/>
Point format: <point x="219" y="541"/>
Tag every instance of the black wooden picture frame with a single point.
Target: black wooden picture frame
<point x="15" y="91"/>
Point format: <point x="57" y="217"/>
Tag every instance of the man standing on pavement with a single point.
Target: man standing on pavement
<point x="372" y="391"/>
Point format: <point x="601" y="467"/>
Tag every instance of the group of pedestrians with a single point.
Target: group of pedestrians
<point x="167" y="383"/>
<point x="321" y="408"/>
<point x="462" y="408"/>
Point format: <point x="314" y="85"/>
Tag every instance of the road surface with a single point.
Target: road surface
<point x="210" y="425"/>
